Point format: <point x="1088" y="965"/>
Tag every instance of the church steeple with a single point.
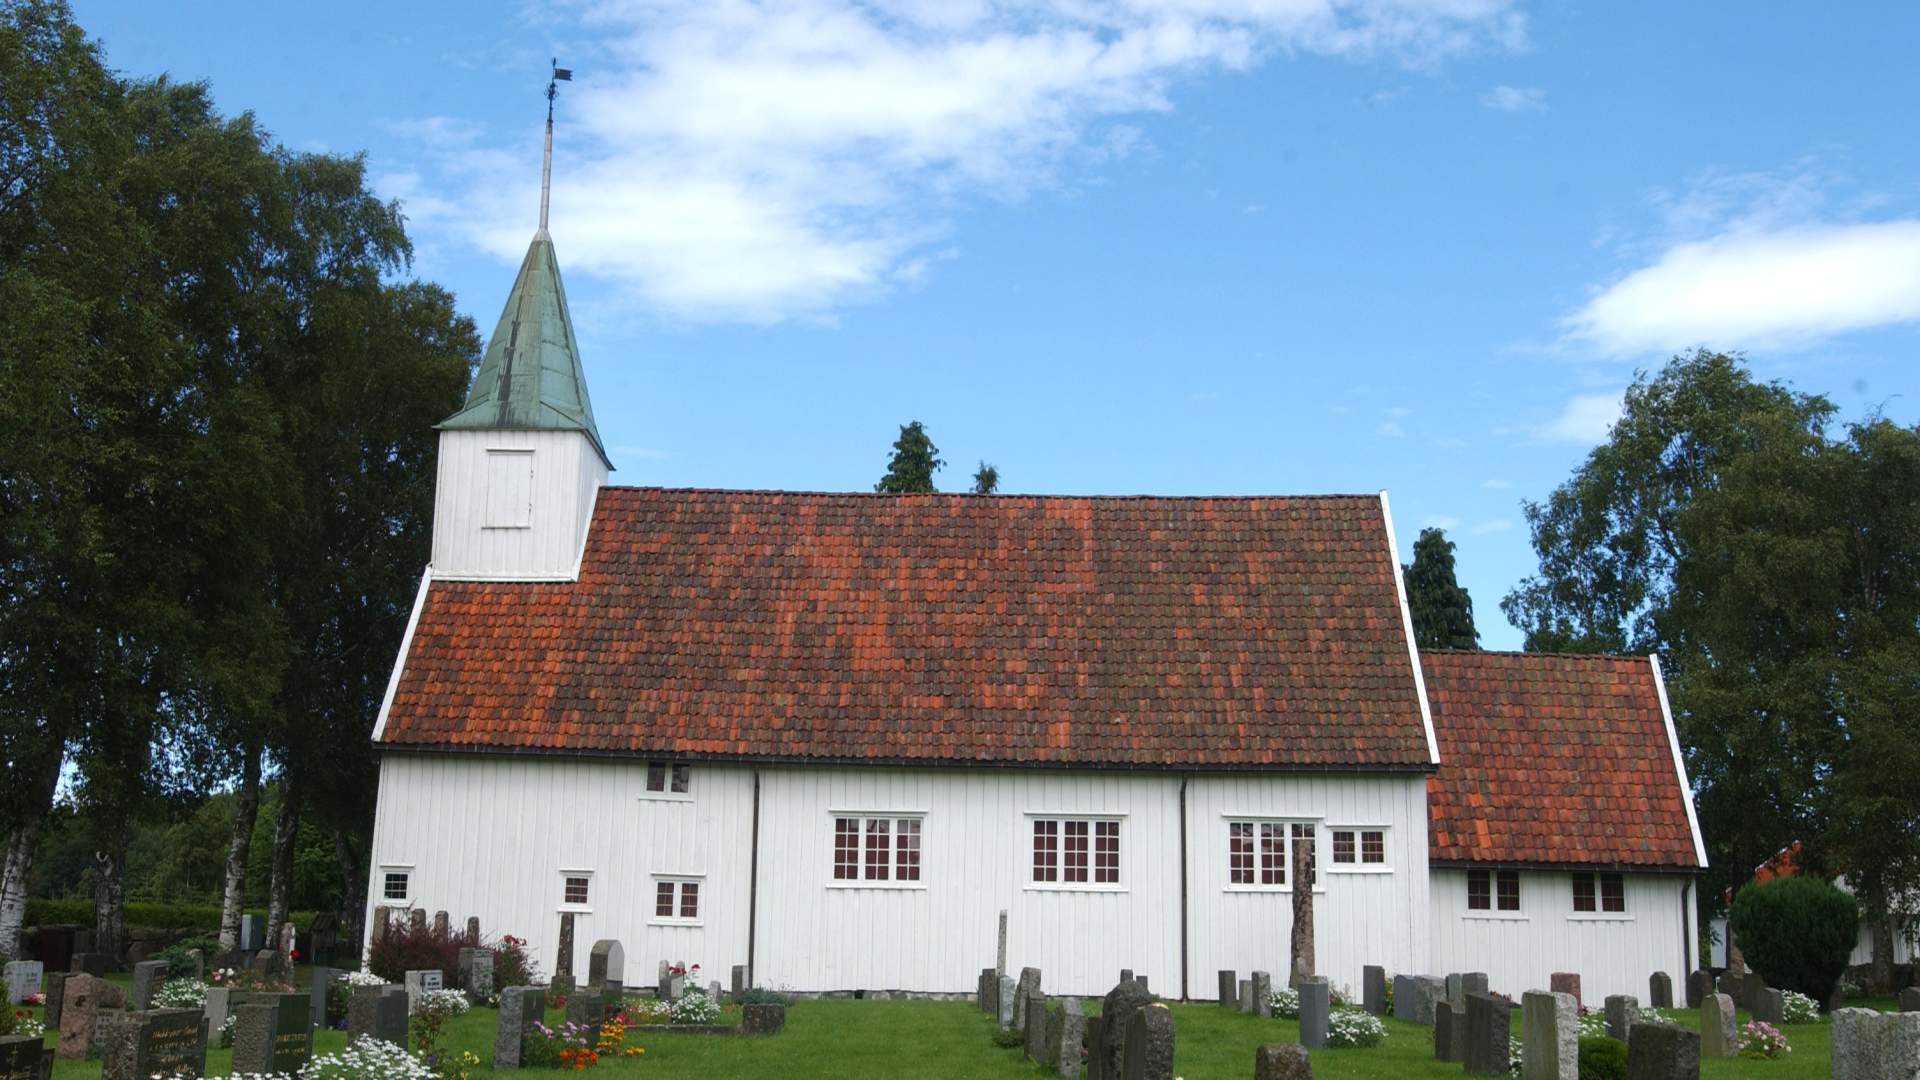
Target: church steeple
<point x="517" y="480"/>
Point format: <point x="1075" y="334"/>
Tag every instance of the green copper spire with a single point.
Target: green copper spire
<point x="530" y="376"/>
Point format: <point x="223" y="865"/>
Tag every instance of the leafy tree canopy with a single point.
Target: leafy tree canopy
<point x="915" y="460"/>
<point x="986" y="479"/>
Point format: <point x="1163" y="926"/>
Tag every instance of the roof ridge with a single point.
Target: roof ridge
<point x="1634" y="658"/>
<point x="812" y="493"/>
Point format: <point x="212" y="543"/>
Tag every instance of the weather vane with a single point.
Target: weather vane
<point x="560" y="75"/>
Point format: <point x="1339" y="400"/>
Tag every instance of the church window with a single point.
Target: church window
<point x="394" y="883"/>
<point x="1259" y="855"/>
<point x="1489" y="890"/>
<point x="1358" y="850"/>
<point x="1076" y="852"/>
<point x="575" y="888"/>
<point x="1610" y="896"/>
<point x="676" y="900"/>
<point x="876" y="849"/>
<point x="669" y="778"/>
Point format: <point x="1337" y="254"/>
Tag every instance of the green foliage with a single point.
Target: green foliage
<point x="1442" y="610"/>
<point x="1009" y="1039"/>
<point x="986" y="479"/>
<point x="1602" y="1058"/>
<point x="178" y="962"/>
<point x="1797" y="932"/>
<point x="915" y="460"/>
<point x="760" y="996"/>
<point x="204" y="918"/>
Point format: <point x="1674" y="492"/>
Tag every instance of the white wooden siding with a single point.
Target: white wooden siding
<point x="1612" y="955"/>
<point x="566" y="475"/>
<point x="488" y="836"/>
<point x="1359" y="918"/>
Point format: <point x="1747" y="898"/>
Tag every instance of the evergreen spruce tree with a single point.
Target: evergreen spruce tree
<point x="1442" y="610"/>
<point x="915" y="460"/>
<point x="986" y="480"/>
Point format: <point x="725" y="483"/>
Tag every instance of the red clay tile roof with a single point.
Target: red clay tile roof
<point x="1116" y="632"/>
<point x="1553" y="759"/>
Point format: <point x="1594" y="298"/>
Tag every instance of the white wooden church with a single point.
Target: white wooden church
<point x="832" y="736"/>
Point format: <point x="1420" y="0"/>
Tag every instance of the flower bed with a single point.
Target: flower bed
<point x="1354" y="1029"/>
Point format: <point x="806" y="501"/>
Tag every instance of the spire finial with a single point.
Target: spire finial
<point x="560" y="75"/>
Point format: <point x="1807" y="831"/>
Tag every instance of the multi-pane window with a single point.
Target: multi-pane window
<point x="393" y="885"/>
<point x="1259" y="852"/>
<point x="1479" y="890"/>
<point x="1076" y="851"/>
<point x="1306" y="834"/>
<point x="669" y="777"/>
<point x="1343" y="846"/>
<point x="676" y="900"/>
<point x="876" y="849"/>
<point x="1373" y="846"/>
<point x="1493" y="889"/>
<point x="1507" y="889"/>
<point x="1613" y="893"/>
<point x="1359" y="847"/>
<point x="573" y="889"/>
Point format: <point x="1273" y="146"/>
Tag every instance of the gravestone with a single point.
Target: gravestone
<point x="1751" y="989"/>
<point x="763" y="1018"/>
<point x="378" y="1012"/>
<point x="23" y="1057"/>
<point x="1229" y="989"/>
<point x="1000" y="963"/>
<point x="1489" y="1035"/>
<point x="587" y="1009"/>
<point x="1373" y="989"/>
<point x="1028" y="986"/>
<point x="441" y="925"/>
<point x="1660" y="990"/>
<point x="1281" y="1061"/>
<point x="1427" y="990"/>
<point x="1003" y="1003"/>
<point x="163" y="1042"/>
<point x="1473" y="982"/>
<point x="1149" y="1045"/>
<point x="1718" y="1035"/>
<point x="1769" y="1005"/>
<point x="664" y="984"/>
<point x="1262" y="994"/>
<point x="739" y="987"/>
<point x="324" y="935"/>
<point x="1246" y="995"/>
<point x="1316" y="1011"/>
<point x="1097" y="1067"/>
<point x="563" y="984"/>
<point x="265" y="963"/>
<point x="1403" y="1005"/>
<point x="563" y="958"/>
<point x="480" y="976"/>
<point x="714" y="992"/>
<point x="253" y="933"/>
<point x="607" y="964"/>
<point x="1910" y="1000"/>
<point x="1454" y="993"/>
<point x="1142" y="980"/>
<point x="989" y="992"/>
<point x="108" y="1025"/>
<point x="420" y="983"/>
<point x="218" y="1006"/>
<point x="84" y="998"/>
<point x="1035" y="1044"/>
<point x="1066" y="1031"/>
<point x="1117" y="1011"/>
<point x="1549" y="1036"/>
<point x="1126" y="974"/>
<point x="277" y="1033"/>
<point x="56" y="994"/>
<point x="1699" y="985"/>
<point x="90" y="963"/>
<point x="1566" y="982"/>
<point x="23" y="978"/>
<point x="1449" y="1037"/>
<point x="147" y="976"/>
<point x="1662" y="1052"/>
<point x="319" y="991"/>
<point x="417" y="920"/>
<point x="520" y="1007"/>
<point x="1622" y="1011"/>
<point x="1869" y="1045"/>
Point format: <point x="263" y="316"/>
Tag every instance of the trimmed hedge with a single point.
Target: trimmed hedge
<point x="1602" y="1058"/>
<point x="1797" y="932"/>
<point x="201" y="917"/>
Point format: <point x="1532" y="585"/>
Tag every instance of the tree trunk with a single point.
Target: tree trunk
<point x="1882" y="924"/>
<point x="109" y="887"/>
<point x="286" y="825"/>
<point x="353" y="900"/>
<point x="1302" y="911"/>
<point x="246" y="810"/>
<point x="21" y="843"/>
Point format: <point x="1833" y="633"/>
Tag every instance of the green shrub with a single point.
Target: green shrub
<point x="203" y="918"/>
<point x="1797" y="932"/>
<point x="1602" y="1058"/>
<point x="1008" y="1039"/>
<point x="759" y="996"/>
<point x="179" y="963"/>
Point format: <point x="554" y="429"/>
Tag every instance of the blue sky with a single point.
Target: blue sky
<point x="1205" y="247"/>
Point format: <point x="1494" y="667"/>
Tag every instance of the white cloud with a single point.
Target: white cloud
<point x="1515" y="99"/>
<point x="1752" y="288"/>
<point x="1586" y="419"/>
<point x="754" y="160"/>
<point x="1496" y="484"/>
<point x="1391" y="429"/>
<point x="1486" y="528"/>
<point x="1439" y="521"/>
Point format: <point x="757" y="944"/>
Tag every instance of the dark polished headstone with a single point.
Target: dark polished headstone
<point x="1489" y="1035"/>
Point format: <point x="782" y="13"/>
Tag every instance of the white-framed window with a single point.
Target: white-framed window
<point x="1493" y="890"/>
<point x="509" y="489"/>
<point x="1358" y="849"/>
<point x="669" y="780"/>
<point x="576" y="890"/>
<point x="1076" y="852"/>
<point x="1260" y="852"/>
<point x="1599" y="893"/>
<point x="676" y="900"/>
<point x="877" y="849"/>
<point x="396" y="884"/>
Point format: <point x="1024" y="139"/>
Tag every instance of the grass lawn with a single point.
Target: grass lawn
<point x="907" y="1039"/>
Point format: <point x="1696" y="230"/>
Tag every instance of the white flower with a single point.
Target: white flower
<point x="1354" y="1028"/>
<point x="362" y="978"/>
<point x="1800" y="1009"/>
<point x="695" y="1008"/>
<point x="1285" y="1003"/>
<point x="181" y="994"/>
<point x="450" y="1002"/>
<point x="367" y="1059"/>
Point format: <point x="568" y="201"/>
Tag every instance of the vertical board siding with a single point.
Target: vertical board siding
<point x="489" y="837"/>
<point x="1359" y="918"/>
<point x="567" y="474"/>
<point x="1611" y="956"/>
